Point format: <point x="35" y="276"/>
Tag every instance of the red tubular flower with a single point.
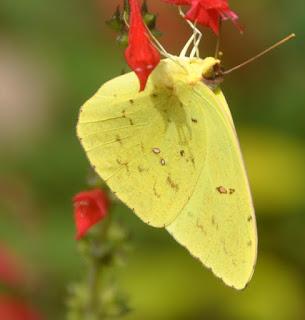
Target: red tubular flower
<point x="141" y="55"/>
<point x="208" y="12"/>
<point x="13" y="309"/>
<point x="89" y="208"/>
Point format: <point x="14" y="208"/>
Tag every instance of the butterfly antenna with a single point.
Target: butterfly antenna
<point x="291" y="36"/>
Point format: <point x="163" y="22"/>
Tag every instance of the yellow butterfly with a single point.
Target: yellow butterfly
<point x="171" y="154"/>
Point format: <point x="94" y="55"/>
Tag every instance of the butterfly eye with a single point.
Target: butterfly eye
<point x="214" y="77"/>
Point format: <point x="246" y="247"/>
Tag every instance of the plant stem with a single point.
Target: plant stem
<point x="96" y="268"/>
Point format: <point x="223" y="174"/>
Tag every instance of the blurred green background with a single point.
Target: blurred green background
<point x="54" y="56"/>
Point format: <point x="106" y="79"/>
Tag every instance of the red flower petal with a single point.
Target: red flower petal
<point x="89" y="208"/>
<point x="141" y="55"/>
<point x="208" y="12"/>
<point x="13" y="309"/>
<point x="180" y="2"/>
<point x="10" y="272"/>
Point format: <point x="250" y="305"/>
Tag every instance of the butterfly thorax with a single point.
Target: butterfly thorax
<point x="180" y="71"/>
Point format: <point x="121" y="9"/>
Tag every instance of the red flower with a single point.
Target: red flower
<point x="13" y="309"/>
<point x="89" y="208"/>
<point x="208" y="12"/>
<point x="10" y="272"/>
<point x="141" y="55"/>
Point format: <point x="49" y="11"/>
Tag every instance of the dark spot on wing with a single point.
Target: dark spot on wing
<point x="154" y="95"/>
<point x="118" y="139"/>
<point x="222" y="190"/>
<point x="200" y="226"/>
<point x="142" y="147"/>
<point x="156" y="193"/>
<point x="172" y="184"/>
<point x="140" y="169"/>
<point x="194" y="120"/>
<point x="182" y="153"/>
<point x="122" y="163"/>
<point x="231" y="191"/>
<point x="124" y="116"/>
<point x="214" y="223"/>
<point x="131" y="101"/>
<point x="249" y="218"/>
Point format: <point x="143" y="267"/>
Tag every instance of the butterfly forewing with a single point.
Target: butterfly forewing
<point x="147" y="146"/>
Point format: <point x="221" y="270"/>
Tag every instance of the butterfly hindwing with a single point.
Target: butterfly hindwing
<point x="218" y="223"/>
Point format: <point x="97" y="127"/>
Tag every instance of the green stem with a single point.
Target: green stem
<point x="96" y="269"/>
<point x="93" y="291"/>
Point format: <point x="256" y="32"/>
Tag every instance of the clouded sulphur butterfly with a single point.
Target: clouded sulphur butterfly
<point x="171" y="154"/>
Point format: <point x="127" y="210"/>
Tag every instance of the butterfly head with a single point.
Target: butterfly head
<point x="208" y="71"/>
<point x="213" y="73"/>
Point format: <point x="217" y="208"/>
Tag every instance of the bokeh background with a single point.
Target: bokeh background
<point x="53" y="56"/>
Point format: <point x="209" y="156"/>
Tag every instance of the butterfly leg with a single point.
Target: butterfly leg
<point x="196" y="38"/>
<point x="195" y="50"/>
<point x="187" y="45"/>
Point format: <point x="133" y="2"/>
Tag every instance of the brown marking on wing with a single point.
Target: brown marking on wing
<point x="140" y="169"/>
<point x="214" y="222"/>
<point x="142" y="147"/>
<point x="200" y="226"/>
<point x="155" y="192"/>
<point x="123" y="163"/>
<point x="222" y="190"/>
<point x="172" y="184"/>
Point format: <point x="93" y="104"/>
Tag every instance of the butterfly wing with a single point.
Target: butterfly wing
<point x="148" y="148"/>
<point x="218" y="225"/>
